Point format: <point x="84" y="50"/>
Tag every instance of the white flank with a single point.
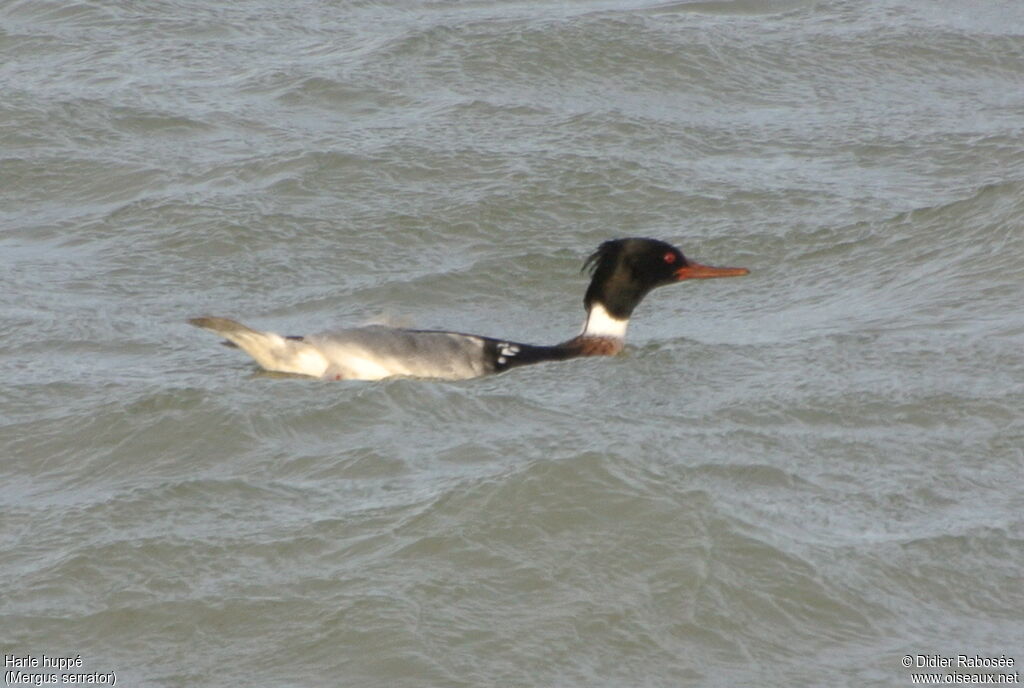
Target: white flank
<point x="274" y="352"/>
<point x="362" y="353"/>
<point x="308" y="361"/>
<point x="271" y="350"/>
<point x="362" y="365"/>
<point x="376" y="352"/>
<point x="601" y="324"/>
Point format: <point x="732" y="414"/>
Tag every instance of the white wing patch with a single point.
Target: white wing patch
<point x="506" y="351"/>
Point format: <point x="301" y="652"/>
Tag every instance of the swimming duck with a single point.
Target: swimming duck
<point x="623" y="272"/>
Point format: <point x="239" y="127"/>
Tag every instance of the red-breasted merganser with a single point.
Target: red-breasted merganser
<point x="624" y="271"/>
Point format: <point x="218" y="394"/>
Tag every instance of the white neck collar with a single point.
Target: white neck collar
<point x="600" y="323"/>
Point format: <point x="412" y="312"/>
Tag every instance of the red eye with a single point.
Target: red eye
<point x="670" y="257"/>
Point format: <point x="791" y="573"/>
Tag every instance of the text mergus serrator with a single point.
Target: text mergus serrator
<point x="624" y="271"/>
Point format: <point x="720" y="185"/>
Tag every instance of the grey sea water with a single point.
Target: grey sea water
<point x="795" y="478"/>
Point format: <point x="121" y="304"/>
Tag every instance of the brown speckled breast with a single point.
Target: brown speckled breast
<point x="594" y="346"/>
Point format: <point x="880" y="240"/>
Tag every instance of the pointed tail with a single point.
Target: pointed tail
<point x="271" y="350"/>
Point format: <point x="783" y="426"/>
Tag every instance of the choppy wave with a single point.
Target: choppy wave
<point x="794" y="478"/>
